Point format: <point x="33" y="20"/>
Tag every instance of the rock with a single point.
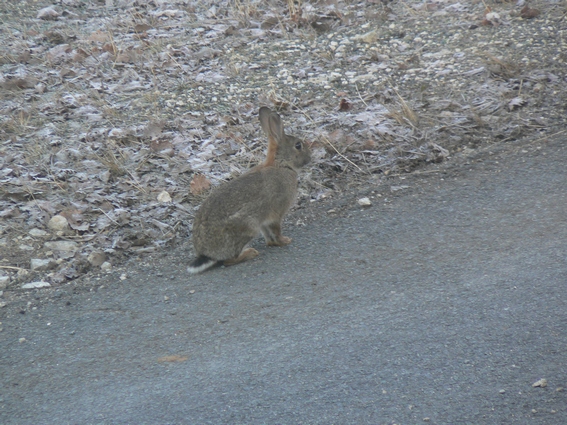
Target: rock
<point x="369" y="37"/>
<point x="164" y="197"/>
<point x="37" y="232"/>
<point x="47" y="13"/>
<point x="63" y="249"/>
<point x="4" y="280"/>
<point x="541" y="383"/>
<point x="106" y="266"/>
<point x="96" y="258"/>
<point x="36" y="285"/>
<point x="62" y="245"/>
<point x="58" y="223"/>
<point x="364" y="202"/>
<point x="42" y="264"/>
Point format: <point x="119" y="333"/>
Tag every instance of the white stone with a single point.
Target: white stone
<point x="41" y="264"/>
<point x="4" y="280"/>
<point x="58" y="223"/>
<point x="96" y="258"/>
<point x="37" y="232"/>
<point x="62" y="245"/>
<point x="164" y="197"/>
<point x="36" y="285"/>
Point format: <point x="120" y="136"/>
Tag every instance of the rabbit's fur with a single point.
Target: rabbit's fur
<point x="254" y="203"/>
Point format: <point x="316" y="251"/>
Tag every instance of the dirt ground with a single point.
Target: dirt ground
<point x="118" y="116"/>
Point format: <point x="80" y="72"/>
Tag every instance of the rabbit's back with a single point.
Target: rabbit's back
<point x="234" y="213"/>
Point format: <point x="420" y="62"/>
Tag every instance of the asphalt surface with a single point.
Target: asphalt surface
<point x="441" y="304"/>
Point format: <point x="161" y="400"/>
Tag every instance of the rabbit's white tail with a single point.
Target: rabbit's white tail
<point x="200" y="264"/>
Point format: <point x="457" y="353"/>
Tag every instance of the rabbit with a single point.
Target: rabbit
<point x="254" y="203"/>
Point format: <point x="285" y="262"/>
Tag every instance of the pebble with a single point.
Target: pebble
<point x="365" y="202"/>
<point x="4" y="280"/>
<point x="164" y="197"/>
<point x="36" y="285"/>
<point x="106" y="266"/>
<point x="62" y="245"/>
<point x="37" y="232"/>
<point x="96" y="258"/>
<point x="39" y="264"/>
<point x="58" y="223"/>
<point x="47" y="14"/>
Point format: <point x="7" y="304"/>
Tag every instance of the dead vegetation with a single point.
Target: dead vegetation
<point x="118" y="116"/>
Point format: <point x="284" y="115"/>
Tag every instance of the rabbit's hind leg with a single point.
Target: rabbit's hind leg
<point x="273" y="234"/>
<point x="245" y="255"/>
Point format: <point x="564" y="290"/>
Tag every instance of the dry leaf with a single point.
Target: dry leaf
<point x="110" y="48"/>
<point x="199" y="184"/>
<point x="142" y="27"/>
<point x="345" y="105"/>
<point x="516" y="103"/>
<point x="99" y="36"/>
<point x="173" y="358"/>
<point x="529" y="13"/>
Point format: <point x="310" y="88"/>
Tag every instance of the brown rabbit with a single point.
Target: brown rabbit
<point x="254" y="203"/>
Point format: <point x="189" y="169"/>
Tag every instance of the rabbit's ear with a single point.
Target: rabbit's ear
<point x="264" y="116"/>
<point x="271" y="124"/>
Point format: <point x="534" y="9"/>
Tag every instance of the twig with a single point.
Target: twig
<point x="11" y="268"/>
<point x="109" y="217"/>
<point x="551" y="135"/>
<point x="360" y="97"/>
<point x="341" y="155"/>
<point x="329" y="142"/>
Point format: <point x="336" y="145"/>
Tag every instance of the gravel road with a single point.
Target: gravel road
<point x="442" y="303"/>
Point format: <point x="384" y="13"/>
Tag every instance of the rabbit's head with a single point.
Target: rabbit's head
<point x="283" y="150"/>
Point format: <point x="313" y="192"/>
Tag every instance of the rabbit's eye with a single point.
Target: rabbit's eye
<point x="298" y="146"/>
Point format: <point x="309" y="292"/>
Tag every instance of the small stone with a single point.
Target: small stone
<point x="502" y="391"/>
<point x="37" y="233"/>
<point x="96" y="258"/>
<point x="106" y="266"/>
<point x="21" y="340"/>
<point x="42" y="264"/>
<point x="58" y="223"/>
<point x="36" y="285"/>
<point x="4" y="280"/>
<point x="369" y="37"/>
<point x="62" y="245"/>
<point x="364" y="202"/>
<point x="123" y="276"/>
<point x="47" y="13"/>
<point x="164" y="197"/>
<point x="541" y="383"/>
